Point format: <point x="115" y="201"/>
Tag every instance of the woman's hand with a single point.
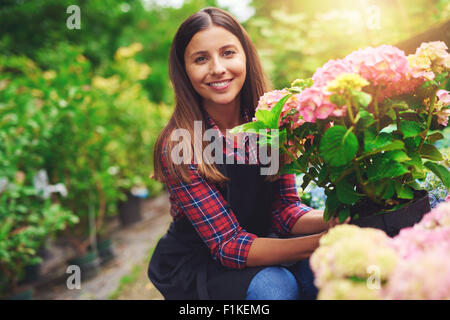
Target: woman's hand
<point x="335" y="221"/>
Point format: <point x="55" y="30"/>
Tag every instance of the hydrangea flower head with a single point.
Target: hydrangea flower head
<point x="423" y="277"/>
<point x="345" y="82"/>
<point x="329" y="71"/>
<point x="382" y="65"/>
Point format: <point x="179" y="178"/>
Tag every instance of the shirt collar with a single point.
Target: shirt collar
<point x="212" y="124"/>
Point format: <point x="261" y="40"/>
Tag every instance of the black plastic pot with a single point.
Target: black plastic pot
<point x="33" y="272"/>
<point x="392" y="222"/>
<point x="89" y="264"/>
<point x="130" y="210"/>
<point x="105" y="251"/>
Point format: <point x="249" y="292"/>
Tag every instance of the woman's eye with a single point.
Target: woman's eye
<point x="200" y="60"/>
<point x="229" y="53"/>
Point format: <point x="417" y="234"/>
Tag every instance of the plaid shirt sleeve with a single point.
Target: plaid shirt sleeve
<point x="204" y="206"/>
<point x="287" y="208"/>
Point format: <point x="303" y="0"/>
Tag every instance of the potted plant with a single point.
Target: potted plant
<point x="360" y="128"/>
<point x="26" y="221"/>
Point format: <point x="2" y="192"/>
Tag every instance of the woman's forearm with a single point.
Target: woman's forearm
<point x="311" y="222"/>
<point x="270" y="251"/>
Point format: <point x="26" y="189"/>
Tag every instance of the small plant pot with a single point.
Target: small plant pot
<point x="89" y="264"/>
<point x="130" y="211"/>
<point x="32" y="273"/>
<point x="105" y="251"/>
<point x="392" y="222"/>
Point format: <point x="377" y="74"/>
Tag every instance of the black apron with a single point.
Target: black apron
<point x="182" y="266"/>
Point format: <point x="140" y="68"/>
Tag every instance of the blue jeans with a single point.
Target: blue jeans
<point x="295" y="282"/>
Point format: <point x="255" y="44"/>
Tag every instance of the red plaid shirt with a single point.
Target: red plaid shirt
<point x="203" y="204"/>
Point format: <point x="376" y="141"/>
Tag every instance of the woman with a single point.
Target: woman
<point x="219" y="245"/>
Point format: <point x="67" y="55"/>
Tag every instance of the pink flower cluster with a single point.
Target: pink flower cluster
<point x="424" y="252"/>
<point x="307" y="106"/>
<point x="387" y="69"/>
<point x="442" y="107"/>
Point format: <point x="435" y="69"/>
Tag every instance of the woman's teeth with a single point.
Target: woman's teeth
<point x="219" y="84"/>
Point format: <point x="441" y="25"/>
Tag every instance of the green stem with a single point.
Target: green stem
<point x="363" y="185"/>
<point x="350" y="112"/>
<point x="376" y="110"/>
<point x="430" y="117"/>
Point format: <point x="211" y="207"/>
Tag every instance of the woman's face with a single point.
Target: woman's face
<point x="216" y="65"/>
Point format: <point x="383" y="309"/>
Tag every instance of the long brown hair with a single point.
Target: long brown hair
<point x="188" y="101"/>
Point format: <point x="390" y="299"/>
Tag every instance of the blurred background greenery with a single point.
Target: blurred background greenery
<point x="83" y="108"/>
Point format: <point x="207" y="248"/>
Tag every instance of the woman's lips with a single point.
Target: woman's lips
<point x="220" y="85"/>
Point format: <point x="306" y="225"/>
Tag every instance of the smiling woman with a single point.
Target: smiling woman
<point x="217" y="72"/>
<point x="224" y="213"/>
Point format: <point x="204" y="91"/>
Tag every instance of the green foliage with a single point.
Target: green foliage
<point x="338" y="146"/>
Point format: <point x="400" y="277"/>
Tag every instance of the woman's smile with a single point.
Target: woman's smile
<point x="220" y="85"/>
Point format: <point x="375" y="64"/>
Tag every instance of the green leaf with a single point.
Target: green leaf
<point x="417" y="165"/>
<point x="276" y="111"/>
<point x="362" y="98"/>
<point x="338" y="100"/>
<point x="249" y="127"/>
<point x="291" y="168"/>
<point x="435" y="136"/>
<point x="373" y="142"/>
<point x="366" y="119"/>
<point x="346" y="193"/>
<point x="440" y="171"/>
<point x="397" y="155"/>
<point x="430" y="152"/>
<point x="403" y="191"/>
<point x="344" y="214"/>
<point x="306" y="180"/>
<point x="389" y="190"/>
<point x="332" y="201"/>
<point x="264" y="116"/>
<point x="270" y="118"/>
<point x="410" y="128"/>
<point x="338" y="146"/>
<point x="385" y="168"/>
<point x="326" y="215"/>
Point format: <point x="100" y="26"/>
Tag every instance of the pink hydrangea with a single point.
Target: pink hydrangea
<point x="382" y="65"/>
<point x="444" y="97"/>
<point x="424" y="277"/>
<point x="442" y="110"/>
<point x="433" y="230"/>
<point x="314" y="104"/>
<point x="270" y="99"/>
<point x="329" y="71"/>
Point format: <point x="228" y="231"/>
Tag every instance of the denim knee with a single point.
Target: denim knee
<point x="273" y="283"/>
<point x="305" y="279"/>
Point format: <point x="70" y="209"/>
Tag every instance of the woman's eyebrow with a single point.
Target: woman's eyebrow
<point x="221" y="48"/>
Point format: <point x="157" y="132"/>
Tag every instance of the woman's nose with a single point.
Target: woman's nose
<point x="217" y="67"/>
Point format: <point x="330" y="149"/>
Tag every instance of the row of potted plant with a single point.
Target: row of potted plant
<point x="75" y="141"/>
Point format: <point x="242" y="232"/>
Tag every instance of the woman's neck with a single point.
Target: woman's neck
<point x="226" y="116"/>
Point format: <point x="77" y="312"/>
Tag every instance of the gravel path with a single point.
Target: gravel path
<point x="132" y="246"/>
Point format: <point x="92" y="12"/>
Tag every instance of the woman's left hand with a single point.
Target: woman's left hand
<point x="335" y="221"/>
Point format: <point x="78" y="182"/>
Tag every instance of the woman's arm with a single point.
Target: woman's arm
<point x="269" y="251"/>
<point x="309" y="223"/>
